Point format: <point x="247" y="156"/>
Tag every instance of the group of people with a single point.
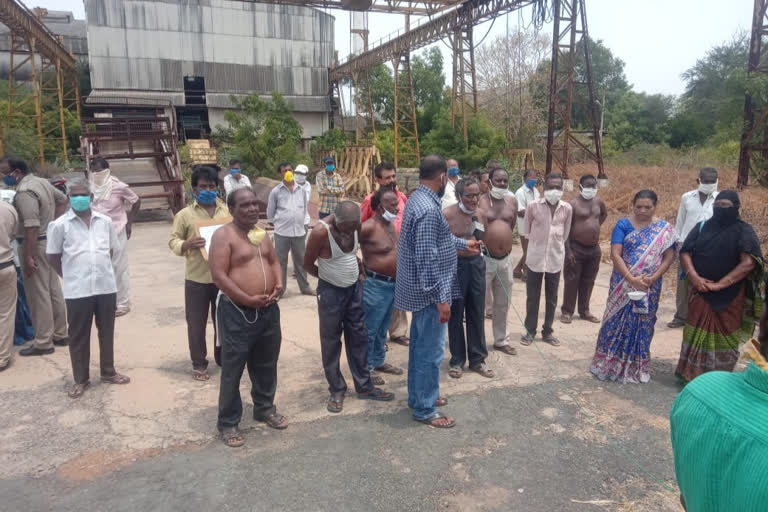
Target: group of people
<point x="73" y="262"/>
<point x="445" y="260"/>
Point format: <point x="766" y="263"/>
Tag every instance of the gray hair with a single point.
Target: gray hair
<point x="347" y="211"/>
<point x="78" y="181"/>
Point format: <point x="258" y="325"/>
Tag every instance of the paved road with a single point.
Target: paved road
<point x="517" y="448"/>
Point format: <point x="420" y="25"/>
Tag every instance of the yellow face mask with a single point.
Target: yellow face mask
<point x="288" y="176"/>
<point x="256" y="236"/>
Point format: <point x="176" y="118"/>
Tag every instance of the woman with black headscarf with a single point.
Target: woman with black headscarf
<point x="724" y="266"/>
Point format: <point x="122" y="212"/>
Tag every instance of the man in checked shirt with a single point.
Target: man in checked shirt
<point x="426" y="271"/>
<point x="330" y="187"/>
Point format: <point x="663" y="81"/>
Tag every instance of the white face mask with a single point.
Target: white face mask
<point x="100" y="177"/>
<point x="553" y="195"/>
<point x="498" y="192"/>
<point x="708" y="188"/>
<point x="588" y="193"/>
<point x="465" y="209"/>
<point x="389" y="216"/>
<point x="300" y="178"/>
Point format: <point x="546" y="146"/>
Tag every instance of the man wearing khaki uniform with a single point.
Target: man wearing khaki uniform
<point x="8" y="221"/>
<point x="38" y="203"/>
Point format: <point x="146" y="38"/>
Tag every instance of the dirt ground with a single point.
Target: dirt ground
<point x="163" y="412"/>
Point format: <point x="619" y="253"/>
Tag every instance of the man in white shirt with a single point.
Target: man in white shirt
<point x="235" y="178"/>
<point x="300" y="177"/>
<point x="695" y="207"/>
<point x="449" y="196"/>
<point x="287" y="209"/>
<point x="80" y="247"/>
<point x="525" y="195"/>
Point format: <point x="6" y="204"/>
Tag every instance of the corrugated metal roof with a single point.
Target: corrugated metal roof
<point x="236" y="46"/>
<point x="298" y="103"/>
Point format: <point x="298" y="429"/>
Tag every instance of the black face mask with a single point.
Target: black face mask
<point x="727" y="215"/>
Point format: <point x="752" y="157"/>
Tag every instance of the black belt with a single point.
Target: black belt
<point x="41" y="237"/>
<point x="6" y="264"/>
<point x="487" y="253"/>
<point x="380" y="277"/>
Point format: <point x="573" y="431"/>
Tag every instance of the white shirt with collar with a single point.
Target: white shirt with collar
<point x="307" y="192"/>
<point x="449" y="196"/>
<point x="230" y="183"/>
<point x="287" y="210"/>
<point x="692" y="213"/>
<point x="86" y="254"/>
<point x="524" y="196"/>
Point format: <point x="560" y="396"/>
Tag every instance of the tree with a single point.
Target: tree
<point x="263" y="133"/>
<point x="506" y="68"/>
<point x="639" y="117"/>
<point x="428" y="86"/>
<point x="485" y="140"/>
<point x="714" y="95"/>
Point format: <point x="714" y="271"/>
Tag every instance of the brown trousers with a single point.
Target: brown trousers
<point x="8" y="297"/>
<point x="579" y="278"/>
<point x="45" y="299"/>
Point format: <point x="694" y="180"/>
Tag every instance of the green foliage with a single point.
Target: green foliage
<point x="639" y="118"/>
<point x="385" y="142"/>
<point x="485" y="141"/>
<point x="334" y="139"/>
<point x="262" y="134"/>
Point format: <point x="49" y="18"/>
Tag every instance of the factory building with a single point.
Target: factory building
<point x="198" y="54"/>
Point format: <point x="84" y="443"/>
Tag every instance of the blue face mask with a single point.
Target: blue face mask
<point x="80" y="203"/>
<point x="453" y="171"/>
<point x="10" y="180"/>
<point x="530" y="183"/>
<point x="234" y="171"/>
<point x="330" y="168"/>
<point x="206" y="197"/>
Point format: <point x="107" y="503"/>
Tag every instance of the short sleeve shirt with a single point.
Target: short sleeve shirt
<point x="86" y="258"/>
<point x="36" y="201"/>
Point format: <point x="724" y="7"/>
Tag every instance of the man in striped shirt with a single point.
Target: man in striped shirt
<point x="330" y="187"/>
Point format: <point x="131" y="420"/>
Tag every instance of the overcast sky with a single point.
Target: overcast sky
<point x="657" y="39"/>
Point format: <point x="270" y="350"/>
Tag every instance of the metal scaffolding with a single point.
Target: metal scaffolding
<point x="569" y="33"/>
<point x="405" y="126"/>
<point x="464" y="93"/>
<point x="47" y="68"/>
<point x="755" y="134"/>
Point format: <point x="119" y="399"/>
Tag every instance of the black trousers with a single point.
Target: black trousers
<point x="579" y="278"/>
<point x="80" y="315"/>
<point x="471" y="304"/>
<point x="533" y="290"/>
<point x="255" y="344"/>
<point x="341" y="310"/>
<point x="199" y="299"/>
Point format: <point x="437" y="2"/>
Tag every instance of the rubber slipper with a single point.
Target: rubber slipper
<point x="437" y="416"/>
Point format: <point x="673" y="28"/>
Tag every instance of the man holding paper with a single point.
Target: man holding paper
<point x="199" y="290"/>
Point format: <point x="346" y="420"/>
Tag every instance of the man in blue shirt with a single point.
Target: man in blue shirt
<point x="426" y="270"/>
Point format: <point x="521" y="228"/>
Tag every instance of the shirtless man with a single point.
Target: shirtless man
<point x="500" y="211"/>
<point x="467" y="221"/>
<point x="332" y="257"/>
<point x="245" y="268"/>
<point x="582" y="259"/>
<point x="378" y="240"/>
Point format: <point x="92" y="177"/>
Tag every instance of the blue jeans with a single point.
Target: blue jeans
<point x="378" y="300"/>
<point x="425" y="353"/>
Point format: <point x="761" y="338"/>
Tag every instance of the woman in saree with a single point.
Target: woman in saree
<point x="724" y="266"/>
<point x="642" y="249"/>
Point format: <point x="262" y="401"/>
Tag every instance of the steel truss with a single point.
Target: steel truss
<point x="568" y="34"/>
<point x="51" y="68"/>
<point x="755" y="133"/>
<point x="405" y="127"/>
<point x="464" y="93"/>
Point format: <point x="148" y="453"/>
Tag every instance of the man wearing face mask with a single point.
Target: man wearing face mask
<point x="467" y="222"/>
<point x="500" y="209"/>
<point x="330" y="187"/>
<point x="426" y="270"/>
<point x="38" y="203"/>
<point x="548" y="224"/>
<point x="287" y="209"/>
<point x="116" y="200"/>
<point x="386" y="175"/>
<point x="80" y="247"/>
<point x="378" y="240"/>
<point x="235" y="178"/>
<point x="449" y="197"/>
<point x="582" y="251"/>
<point x="199" y="290"/>
<point x="300" y="177"/>
<point x="525" y="195"/>
<point x="695" y="207"/>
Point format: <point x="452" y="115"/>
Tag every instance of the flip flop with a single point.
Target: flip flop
<point x="335" y="404"/>
<point x="526" y="339"/>
<point x="115" y="379"/>
<point x="377" y="381"/>
<point x="388" y="368"/>
<point x="275" y="421"/>
<point x="78" y="389"/>
<point x="200" y="375"/>
<point x="506" y="349"/>
<point x="455" y="372"/>
<point x="435" y="417"/>
<point x="401" y="340"/>
<point x="378" y="395"/>
<point x="232" y="437"/>
<point x="483" y="370"/>
<point x="441" y="402"/>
